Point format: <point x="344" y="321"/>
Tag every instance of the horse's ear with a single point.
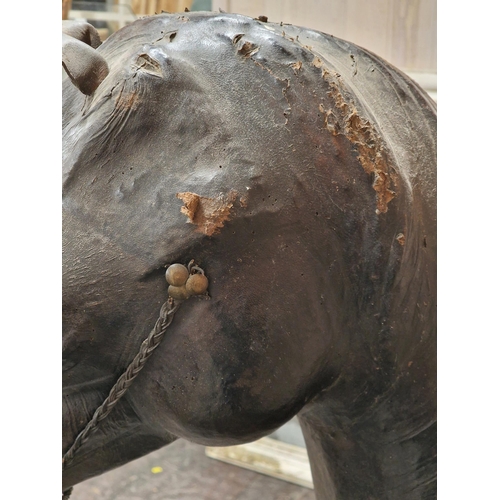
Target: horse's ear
<point x="82" y="31"/>
<point x="84" y="66"/>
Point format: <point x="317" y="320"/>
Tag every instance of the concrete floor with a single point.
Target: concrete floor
<point x="186" y="474"/>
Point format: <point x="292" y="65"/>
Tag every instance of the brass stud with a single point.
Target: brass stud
<point x="178" y="292"/>
<point x="177" y="275"/>
<point x="197" y="284"/>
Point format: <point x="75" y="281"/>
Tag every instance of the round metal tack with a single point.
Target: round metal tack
<point x="197" y="284"/>
<point x="176" y="275"/>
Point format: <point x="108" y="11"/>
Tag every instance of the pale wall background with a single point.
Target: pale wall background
<point x="401" y="31"/>
<point x="404" y="32"/>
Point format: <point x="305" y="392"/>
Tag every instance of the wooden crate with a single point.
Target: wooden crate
<point x="270" y="457"/>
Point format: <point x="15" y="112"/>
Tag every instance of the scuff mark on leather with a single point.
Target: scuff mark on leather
<point x="248" y="49"/>
<point x="127" y="99"/>
<point x="148" y="64"/>
<point x="284" y="91"/>
<point x="208" y="214"/>
<point x="401" y="239"/>
<point x="359" y="131"/>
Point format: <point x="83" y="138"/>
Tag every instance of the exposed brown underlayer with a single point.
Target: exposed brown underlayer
<point x="208" y="214"/>
<point x="361" y="133"/>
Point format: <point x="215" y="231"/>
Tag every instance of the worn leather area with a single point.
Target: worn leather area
<point x="300" y="171"/>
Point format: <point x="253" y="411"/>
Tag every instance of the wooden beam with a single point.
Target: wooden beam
<point x="66" y="6"/>
<point x="268" y="456"/>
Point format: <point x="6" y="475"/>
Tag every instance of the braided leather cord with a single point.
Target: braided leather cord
<point x="153" y="340"/>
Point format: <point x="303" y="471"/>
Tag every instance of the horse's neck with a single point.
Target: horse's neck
<point x="119" y="438"/>
<point x="383" y="448"/>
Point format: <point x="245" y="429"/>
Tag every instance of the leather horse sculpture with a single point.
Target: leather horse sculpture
<point x="299" y="172"/>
